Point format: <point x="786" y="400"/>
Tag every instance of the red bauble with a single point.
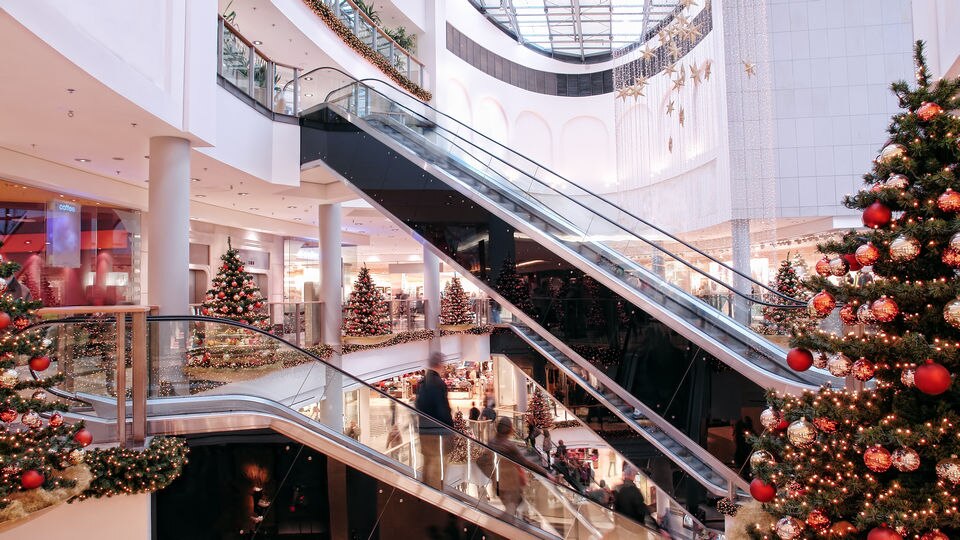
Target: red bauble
<point x="818" y="519"/>
<point x="205" y="311"/>
<point x="21" y="322"/>
<point x="221" y="294"/>
<point x="863" y="369"/>
<point x="884" y="309"/>
<point x="83" y="437"/>
<point x="934" y="535"/>
<point x="877" y="458"/>
<point x="4" y="320"/>
<point x="951" y="257"/>
<point x="823" y="267"/>
<point x="848" y="314"/>
<point x="56" y="420"/>
<point x="31" y="479"/>
<point x="799" y="359"/>
<point x="825" y="425"/>
<point x="783" y="424"/>
<point x="932" y="378"/>
<point x="8" y="415"/>
<point x="877" y="215"/>
<point x="852" y="262"/>
<point x="762" y="491"/>
<point x="821" y="304"/>
<point x="883" y="533"/>
<point x="39" y="363"/>
<point x="949" y="201"/>
<point x="927" y="110"/>
<point x="867" y="254"/>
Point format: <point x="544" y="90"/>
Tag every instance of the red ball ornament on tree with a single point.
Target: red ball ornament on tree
<point x="762" y="491"/>
<point x="4" y="320"/>
<point x="31" y="479"/>
<point x="799" y="359"/>
<point x="21" y="322"/>
<point x="848" y="314"/>
<point x="83" y="437"/>
<point x="951" y="257"/>
<point x="8" y="415"/>
<point x="821" y="304"/>
<point x="221" y="295"/>
<point x="852" y="262"/>
<point x="934" y="535"/>
<point x="928" y="110"/>
<point x="39" y="363"/>
<point x="863" y="369"/>
<point x="884" y="309"/>
<point x="949" y="201"/>
<point x="877" y="458"/>
<point x="877" y="215"/>
<point x="817" y="519"/>
<point x="825" y="425"/>
<point x="932" y="378"/>
<point x="823" y="267"/>
<point x="883" y="533"/>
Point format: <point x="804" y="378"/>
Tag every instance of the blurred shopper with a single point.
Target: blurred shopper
<point x="435" y="441"/>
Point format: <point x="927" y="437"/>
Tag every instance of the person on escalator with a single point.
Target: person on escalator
<point x="512" y="477"/>
<point x="435" y="440"/>
<point x="629" y="500"/>
<point x="563" y="467"/>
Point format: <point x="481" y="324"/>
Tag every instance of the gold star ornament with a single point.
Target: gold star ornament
<point x="749" y="68"/>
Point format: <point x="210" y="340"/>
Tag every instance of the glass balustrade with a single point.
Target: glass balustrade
<point x="213" y="365"/>
<point x="273" y="85"/>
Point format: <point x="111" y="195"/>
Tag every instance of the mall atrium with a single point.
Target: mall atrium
<point x="479" y="269"/>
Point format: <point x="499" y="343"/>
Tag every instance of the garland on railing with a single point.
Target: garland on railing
<point x="566" y="424"/>
<point x="383" y="63"/>
<point x="123" y="471"/>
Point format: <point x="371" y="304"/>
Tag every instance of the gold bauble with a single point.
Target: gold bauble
<point x="897" y="181"/>
<point x="904" y="248"/>
<point x="839" y="266"/>
<point x="951" y="313"/>
<point x="77" y="455"/>
<point x="770" y="418"/>
<point x="761" y="457"/>
<point x="891" y="151"/>
<point x="948" y="470"/>
<point x="8" y="378"/>
<point x="802" y="433"/>
<point x="839" y="365"/>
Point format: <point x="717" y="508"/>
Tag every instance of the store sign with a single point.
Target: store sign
<point x="254" y="259"/>
<point x="63" y="234"/>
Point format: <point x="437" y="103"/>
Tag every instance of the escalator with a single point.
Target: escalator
<point x="484" y="214"/>
<point x="269" y="384"/>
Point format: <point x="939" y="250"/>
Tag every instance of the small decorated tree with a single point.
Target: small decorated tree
<point x="454" y="304"/>
<point x="459" y="452"/>
<point x="539" y="412"/>
<point x="784" y="321"/>
<point x="512" y="286"/>
<point x="366" y="310"/>
<point x="235" y="295"/>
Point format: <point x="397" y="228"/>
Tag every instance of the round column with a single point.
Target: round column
<point x="168" y="224"/>
<point x="331" y="293"/>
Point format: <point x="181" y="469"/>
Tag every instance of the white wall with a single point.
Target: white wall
<point x="114" y="518"/>
<point x="934" y="21"/>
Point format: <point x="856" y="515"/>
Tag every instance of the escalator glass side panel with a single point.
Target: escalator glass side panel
<point x="640" y="353"/>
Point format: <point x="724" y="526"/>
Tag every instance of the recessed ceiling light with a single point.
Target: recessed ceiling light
<point x="82" y="159"/>
<point x="308" y="95"/>
<point x="308" y="78"/>
<point x="257" y="42"/>
<point x="297" y="219"/>
<point x="118" y="159"/>
<point x="199" y="195"/>
<point x="254" y="209"/>
<point x="195" y="179"/>
<point x="291" y="207"/>
<point x="146" y="157"/>
<point x="242" y="193"/>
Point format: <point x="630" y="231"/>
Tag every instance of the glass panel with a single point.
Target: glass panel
<point x="283" y="89"/>
<point x="262" y="80"/>
<point x="235" y="60"/>
<point x="190" y="357"/>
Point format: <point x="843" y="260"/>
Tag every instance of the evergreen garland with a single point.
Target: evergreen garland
<point x="884" y="455"/>
<point x="366" y="310"/>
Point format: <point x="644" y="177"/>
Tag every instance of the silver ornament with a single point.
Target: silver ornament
<point x="39" y="395"/>
<point x="906" y="459"/>
<point x="906" y="377"/>
<point x="761" y="457"/>
<point x="948" y="470"/>
<point x="839" y="365"/>
<point x="789" y="528"/>
<point x="892" y="151"/>
<point x="904" y="248"/>
<point x="31" y="419"/>
<point x="8" y="378"/>
<point x="770" y="418"/>
<point x="897" y="181"/>
<point x="802" y="433"/>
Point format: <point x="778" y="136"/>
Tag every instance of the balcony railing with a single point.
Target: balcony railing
<point x="274" y="85"/>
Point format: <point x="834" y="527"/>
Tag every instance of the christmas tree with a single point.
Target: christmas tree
<point x="539" y="412"/>
<point x="459" y="452"/>
<point x="881" y="462"/>
<point x="366" y="310"/>
<point x="783" y="321"/>
<point x="454" y="304"/>
<point x="513" y="288"/>
<point x="235" y="295"/>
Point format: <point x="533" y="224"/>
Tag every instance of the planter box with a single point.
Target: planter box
<point x="367" y="340"/>
<point x="456" y="327"/>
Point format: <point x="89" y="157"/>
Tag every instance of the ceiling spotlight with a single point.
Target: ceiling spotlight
<point x="253" y="209"/>
<point x="291" y="207"/>
<point x="257" y="42"/>
<point x="308" y="95"/>
<point x="297" y="219"/>
<point x="195" y="179"/>
<point x="308" y="78"/>
<point x="118" y="159"/>
<point x="82" y="159"/>
<point x="242" y="193"/>
<point x="199" y="195"/>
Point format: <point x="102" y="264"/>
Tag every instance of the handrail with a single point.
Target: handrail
<point x="353" y="380"/>
<point x="382" y="31"/>
<point x="271" y="73"/>
<point x="798" y="303"/>
<point x="236" y="32"/>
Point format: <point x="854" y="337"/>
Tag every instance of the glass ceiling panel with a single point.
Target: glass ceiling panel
<point x="579" y="29"/>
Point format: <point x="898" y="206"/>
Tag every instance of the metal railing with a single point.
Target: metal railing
<point x="377" y="39"/>
<point x="274" y="85"/>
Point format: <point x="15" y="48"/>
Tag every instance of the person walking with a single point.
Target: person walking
<point x="629" y="499"/>
<point x="435" y="442"/>
<point x="547" y="443"/>
<point x="474" y="411"/>
<point x="512" y="477"/>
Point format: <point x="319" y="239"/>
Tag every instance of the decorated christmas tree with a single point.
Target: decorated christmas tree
<point x="42" y="458"/>
<point x="454" y="304"/>
<point x="539" y="412"/>
<point x="366" y="310"/>
<point x="783" y="321"/>
<point x="881" y="463"/>
<point x="235" y="295"/>
<point x="513" y="287"/>
<point x="459" y="452"/>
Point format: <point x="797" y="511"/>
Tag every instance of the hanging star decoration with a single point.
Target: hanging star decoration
<point x="749" y="68"/>
<point x="664" y="36"/>
<point x="691" y="31"/>
<point x="680" y="115"/>
<point x="706" y="69"/>
<point x="670" y="70"/>
<point x="647" y="52"/>
<point x="639" y="84"/>
<point x="695" y="73"/>
<point x="674" y="50"/>
<point x="688" y="3"/>
<point x="670" y="107"/>
<point x="678" y="82"/>
<point x="625" y="92"/>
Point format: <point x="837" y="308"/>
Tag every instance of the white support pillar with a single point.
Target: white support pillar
<point x="168" y="223"/>
<point x="431" y="295"/>
<point x="331" y="293"/>
<point x="740" y="238"/>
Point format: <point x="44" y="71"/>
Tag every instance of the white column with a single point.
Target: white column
<point x="331" y="293"/>
<point x="740" y="237"/>
<point x="431" y="295"/>
<point x="168" y="223"/>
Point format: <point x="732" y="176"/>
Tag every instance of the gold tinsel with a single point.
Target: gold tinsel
<point x="24" y="503"/>
<point x="749" y="516"/>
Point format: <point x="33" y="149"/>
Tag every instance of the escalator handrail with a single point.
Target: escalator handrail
<point x="799" y="303"/>
<point x="354" y="380"/>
